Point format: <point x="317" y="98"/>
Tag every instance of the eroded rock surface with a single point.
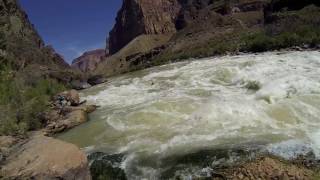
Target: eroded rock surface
<point x="137" y="17"/>
<point x="46" y="158"/>
<point x="66" y="113"/>
<point x="269" y="168"/>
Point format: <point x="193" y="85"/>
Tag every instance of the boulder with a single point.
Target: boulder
<point x="85" y="108"/>
<point x="6" y="142"/>
<point x="107" y="166"/>
<point x="80" y="85"/>
<point x="65" y="122"/>
<point x="46" y="158"/>
<point x="95" y="80"/>
<point x="67" y="98"/>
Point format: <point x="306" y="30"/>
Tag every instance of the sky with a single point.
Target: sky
<point x="72" y="26"/>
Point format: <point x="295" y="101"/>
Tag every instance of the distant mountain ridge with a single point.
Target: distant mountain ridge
<point x="89" y="60"/>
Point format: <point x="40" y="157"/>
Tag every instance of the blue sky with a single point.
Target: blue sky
<point x="72" y="26"/>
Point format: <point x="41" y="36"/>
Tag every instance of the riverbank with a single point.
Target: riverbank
<point x="254" y="100"/>
<point x="40" y="156"/>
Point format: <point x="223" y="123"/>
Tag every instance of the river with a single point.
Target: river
<point x="267" y="102"/>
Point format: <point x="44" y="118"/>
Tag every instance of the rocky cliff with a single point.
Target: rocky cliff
<point x="21" y="44"/>
<point x="137" y="17"/>
<point x="173" y="26"/>
<point x="89" y="60"/>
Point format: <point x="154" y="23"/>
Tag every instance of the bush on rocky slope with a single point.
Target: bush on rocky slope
<point x="21" y="104"/>
<point x="262" y="41"/>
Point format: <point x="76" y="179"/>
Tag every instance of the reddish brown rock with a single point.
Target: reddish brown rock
<point x="46" y="158"/>
<point x="137" y="17"/>
<point x="269" y="168"/>
<point x="89" y="60"/>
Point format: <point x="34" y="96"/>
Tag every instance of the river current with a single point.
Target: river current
<point x="267" y="102"/>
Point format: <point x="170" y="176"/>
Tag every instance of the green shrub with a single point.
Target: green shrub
<point x="258" y="42"/>
<point x="21" y="105"/>
<point x="262" y="41"/>
<point x="2" y="41"/>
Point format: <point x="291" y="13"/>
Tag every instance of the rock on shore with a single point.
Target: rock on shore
<point x="46" y="158"/>
<point x="67" y="112"/>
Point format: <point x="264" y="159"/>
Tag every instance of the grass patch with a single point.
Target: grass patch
<point x="22" y="104"/>
<point x="263" y="41"/>
<point x="211" y="48"/>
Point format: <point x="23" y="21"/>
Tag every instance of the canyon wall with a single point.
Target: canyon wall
<point x="137" y="17"/>
<point x="89" y="61"/>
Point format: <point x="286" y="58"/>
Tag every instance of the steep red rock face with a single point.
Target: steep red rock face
<point x="138" y="17"/>
<point x="89" y="60"/>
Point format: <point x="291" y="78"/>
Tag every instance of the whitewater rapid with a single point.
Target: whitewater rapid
<point x="270" y="101"/>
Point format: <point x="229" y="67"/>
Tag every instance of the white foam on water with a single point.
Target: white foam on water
<point x="289" y="149"/>
<point x="189" y="106"/>
<point x="315" y="143"/>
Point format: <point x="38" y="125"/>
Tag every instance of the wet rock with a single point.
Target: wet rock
<point x="297" y="48"/>
<point x="80" y="85"/>
<point x="65" y="122"/>
<point x="67" y="112"/>
<point x="46" y="158"/>
<point x="105" y="166"/>
<point x="85" y="108"/>
<point x="210" y="160"/>
<point x="95" y="80"/>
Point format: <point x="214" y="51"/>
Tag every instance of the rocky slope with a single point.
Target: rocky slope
<point x="43" y="157"/>
<point x="137" y="17"/>
<point x="89" y="60"/>
<point x="206" y="28"/>
<point x="183" y="23"/>
<point x="23" y="49"/>
<point x="30" y="73"/>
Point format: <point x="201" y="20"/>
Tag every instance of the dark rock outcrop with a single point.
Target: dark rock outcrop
<point x="97" y="79"/>
<point x="104" y="166"/>
<point x="89" y="61"/>
<point x="80" y="84"/>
